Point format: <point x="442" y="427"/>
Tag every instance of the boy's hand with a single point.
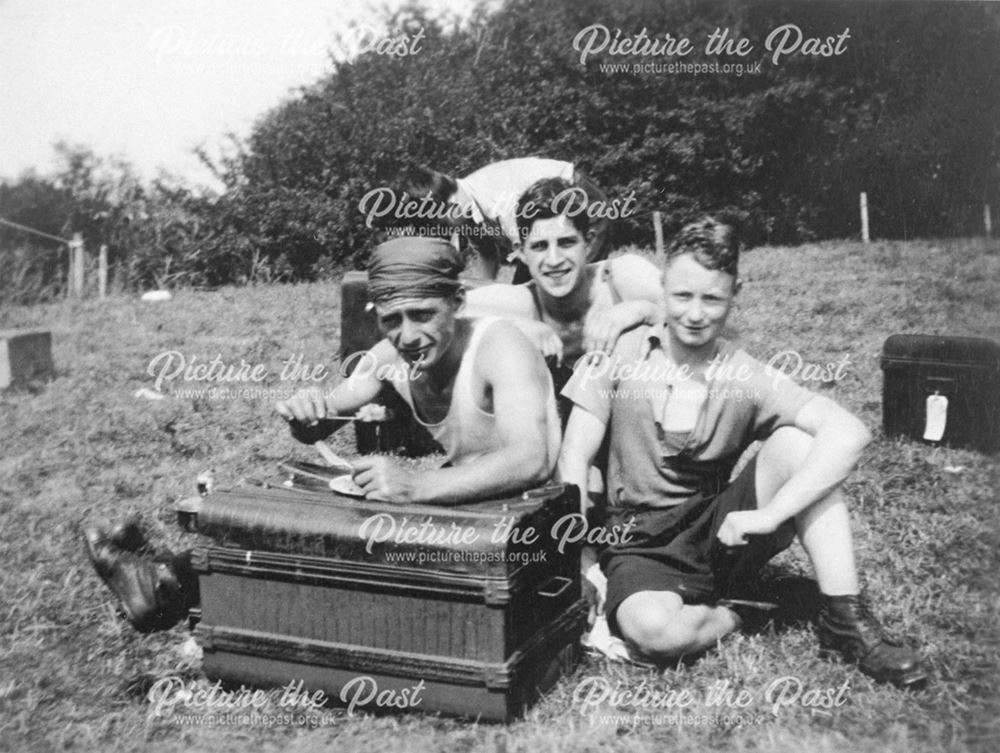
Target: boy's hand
<point x="383" y="480"/>
<point x="738" y="525"/>
<point x="603" y="327"/>
<point x="307" y="406"/>
<point x="545" y="339"/>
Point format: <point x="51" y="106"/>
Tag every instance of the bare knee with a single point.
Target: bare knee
<point x="651" y="622"/>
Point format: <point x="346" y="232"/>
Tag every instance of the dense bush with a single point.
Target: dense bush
<point x="908" y="113"/>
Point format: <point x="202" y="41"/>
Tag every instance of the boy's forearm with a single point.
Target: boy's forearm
<point x="835" y="452"/>
<point x="649" y="313"/>
<point x="502" y="472"/>
<point x="347" y="404"/>
<point x="530" y="328"/>
<point x="575" y="470"/>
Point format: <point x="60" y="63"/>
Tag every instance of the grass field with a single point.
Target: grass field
<point x="73" y="675"/>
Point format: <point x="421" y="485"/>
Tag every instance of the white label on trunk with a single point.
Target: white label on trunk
<point x="937" y="417"/>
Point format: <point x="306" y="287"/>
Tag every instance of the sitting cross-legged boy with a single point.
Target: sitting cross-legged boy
<point x="680" y="404"/>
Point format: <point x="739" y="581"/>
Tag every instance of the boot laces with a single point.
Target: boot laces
<point x="874" y="632"/>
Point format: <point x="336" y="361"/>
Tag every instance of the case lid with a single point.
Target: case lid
<point x="493" y="538"/>
<point x="975" y="352"/>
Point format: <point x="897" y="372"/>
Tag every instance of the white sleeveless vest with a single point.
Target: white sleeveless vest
<point x="467" y="431"/>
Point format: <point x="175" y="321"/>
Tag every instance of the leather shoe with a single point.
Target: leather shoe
<point x="148" y="591"/>
<point x="128" y="536"/>
<point x="846" y="626"/>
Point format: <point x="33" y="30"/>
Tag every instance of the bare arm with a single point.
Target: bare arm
<point x="508" y="301"/>
<point x="839" y="438"/>
<point x="514" y="303"/>
<point x="515" y="374"/>
<point x="838" y="441"/>
<point x="582" y="440"/>
<point x="310" y="405"/>
<point x="636" y="281"/>
<point x="636" y="278"/>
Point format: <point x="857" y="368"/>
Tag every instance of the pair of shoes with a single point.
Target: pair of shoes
<point x="148" y="591"/>
<point x="846" y="626"/>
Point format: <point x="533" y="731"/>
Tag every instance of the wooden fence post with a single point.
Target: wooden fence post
<point x="102" y="272"/>
<point x="76" y="265"/>
<point x="864" y="217"/>
<point x="658" y="234"/>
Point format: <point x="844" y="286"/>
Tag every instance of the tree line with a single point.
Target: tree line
<point x="900" y="100"/>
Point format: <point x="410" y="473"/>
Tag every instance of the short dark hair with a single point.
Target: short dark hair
<point x="539" y="203"/>
<point x="713" y="244"/>
<point x="434" y="191"/>
<point x="421" y="182"/>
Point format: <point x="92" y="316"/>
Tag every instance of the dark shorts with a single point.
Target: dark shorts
<point x="676" y="549"/>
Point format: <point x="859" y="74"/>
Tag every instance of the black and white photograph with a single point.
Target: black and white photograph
<point x="500" y="375"/>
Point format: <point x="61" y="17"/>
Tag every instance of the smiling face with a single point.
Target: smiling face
<point x="697" y="303"/>
<point x="555" y="252"/>
<point x="420" y="329"/>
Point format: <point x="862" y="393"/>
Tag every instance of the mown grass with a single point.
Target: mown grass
<point x="73" y="675"/>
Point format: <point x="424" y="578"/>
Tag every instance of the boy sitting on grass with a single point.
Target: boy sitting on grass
<point x="680" y="405"/>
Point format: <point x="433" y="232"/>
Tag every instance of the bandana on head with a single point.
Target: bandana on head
<point x="414" y="267"/>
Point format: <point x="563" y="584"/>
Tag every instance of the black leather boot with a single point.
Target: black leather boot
<point x="846" y="627"/>
<point x="129" y="536"/>
<point x="150" y="592"/>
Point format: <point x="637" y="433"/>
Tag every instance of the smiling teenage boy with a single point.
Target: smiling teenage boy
<point x="569" y="307"/>
<point x="680" y="405"/>
<point x="486" y="200"/>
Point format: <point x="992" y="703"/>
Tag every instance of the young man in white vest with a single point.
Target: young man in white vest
<point x="478" y="385"/>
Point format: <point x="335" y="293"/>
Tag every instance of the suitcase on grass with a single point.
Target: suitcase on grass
<point x="470" y="582"/>
<point x="942" y="389"/>
<point x="379" y="680"/>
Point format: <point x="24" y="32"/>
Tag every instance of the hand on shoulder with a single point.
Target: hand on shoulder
<point x="636" y="277"/>
<point x="499" y="300"/>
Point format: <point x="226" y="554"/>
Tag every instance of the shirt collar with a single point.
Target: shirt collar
<point x="653" y="340"/>
<point x="656" y="337"/>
